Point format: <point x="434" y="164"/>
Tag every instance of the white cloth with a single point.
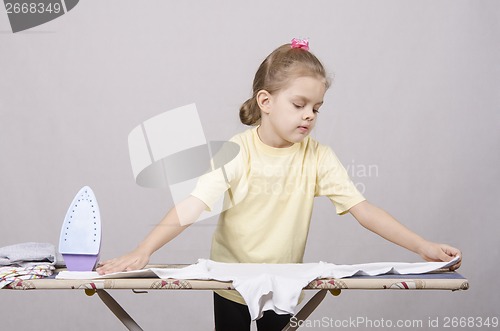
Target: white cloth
<point x="274" y="287"/>
<point x="277" y="287"/>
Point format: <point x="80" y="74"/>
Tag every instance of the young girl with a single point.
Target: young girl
<point x="276" y="175"/>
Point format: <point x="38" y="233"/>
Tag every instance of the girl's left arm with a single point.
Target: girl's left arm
<point x="380" y="222"/>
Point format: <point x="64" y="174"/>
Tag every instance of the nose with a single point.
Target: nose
<point x="309" y="114"/>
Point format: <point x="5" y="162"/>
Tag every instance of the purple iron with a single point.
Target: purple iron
<point x="80" y="239"/>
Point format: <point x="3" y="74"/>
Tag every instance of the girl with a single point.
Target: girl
<point x="275" y="177"/>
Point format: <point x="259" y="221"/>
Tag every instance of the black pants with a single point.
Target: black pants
<point x="232" y="316"/>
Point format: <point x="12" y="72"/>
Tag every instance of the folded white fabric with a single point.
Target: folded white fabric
<point x="274" y="287"/>
<point x="26" y="254"/>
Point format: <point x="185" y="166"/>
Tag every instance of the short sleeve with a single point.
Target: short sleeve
<point x="333" y="182"/>
<point x="215" y="184"/>
<point x="211" y="187"/>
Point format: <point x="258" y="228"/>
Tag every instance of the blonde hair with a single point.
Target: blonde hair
<point x="276" y="71"/>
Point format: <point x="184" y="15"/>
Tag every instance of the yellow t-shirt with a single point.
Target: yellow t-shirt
<point x="273" y="191"/>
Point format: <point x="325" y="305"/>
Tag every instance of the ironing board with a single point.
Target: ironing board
<point x="440" y="280"/>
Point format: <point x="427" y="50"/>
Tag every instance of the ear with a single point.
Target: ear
<point x="264" y="101"/>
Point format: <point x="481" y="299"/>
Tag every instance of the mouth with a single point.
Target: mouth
<point x="303" y="128"/>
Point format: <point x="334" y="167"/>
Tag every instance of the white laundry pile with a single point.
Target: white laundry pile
<point x="270" y="286"/>
<point x="26" y="261"/>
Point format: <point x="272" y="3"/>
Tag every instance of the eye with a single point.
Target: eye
<point x="298" y="106"/>
<point x="316" y="111"/>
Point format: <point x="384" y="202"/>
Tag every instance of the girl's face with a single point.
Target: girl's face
<point x="290" y="114"/>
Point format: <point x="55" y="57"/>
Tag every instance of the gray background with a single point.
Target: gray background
<point x="415" y="97"/>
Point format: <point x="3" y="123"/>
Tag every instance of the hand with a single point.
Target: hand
<point x="434" y="252"/>
<point x="133" y="261"/>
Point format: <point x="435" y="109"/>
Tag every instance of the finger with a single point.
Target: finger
<point x="129" y="263"/>
<point x="101" y="266"/>
<point x="458" y="264"/>
<point x="443" y="256"/>
<point x="455" y="266"/>
<point x="102" y="270"/>
<point x="452" y="251"/>
<point x="114" y="265"/>
<point x="131" y="267"/>
<point x="106" y="262"/>
<point x="120" y="266"/>
<point x="135" y="265"/>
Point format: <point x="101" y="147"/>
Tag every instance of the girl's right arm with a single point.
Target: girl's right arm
<point x="169" y="228"/>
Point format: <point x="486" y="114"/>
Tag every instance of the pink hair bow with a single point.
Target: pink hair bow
<point x="300" y="43"/>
